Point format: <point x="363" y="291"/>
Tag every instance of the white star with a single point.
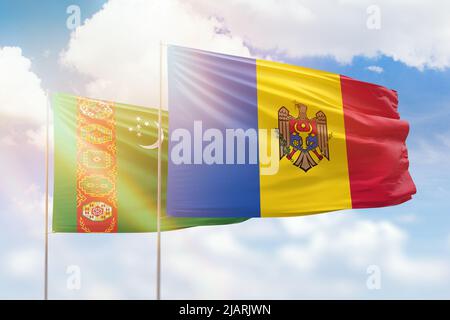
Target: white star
<point x="138" y="118"/>
<point x="130" y="129"/>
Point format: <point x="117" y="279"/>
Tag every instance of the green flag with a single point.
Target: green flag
<point x="105" y="168"/>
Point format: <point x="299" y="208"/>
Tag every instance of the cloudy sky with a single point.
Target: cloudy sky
<point x="112" y="53"/>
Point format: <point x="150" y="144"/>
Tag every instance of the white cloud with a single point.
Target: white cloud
<point x="23" y="263"/>
<point x="360" y="243"/>
<point x="47" y="53"/>
<point x="7" y="141"/>
<point x="339" y="28"/>
<point x="308" y="257"/>
<point x="431" y="271"/>
<point x="37" y="137"/>
<point x="376" y="69"/>
<point x="21" y="94"/>
<point x="29" y="209"/>
<point x="23" y="102"/>
<point x="102" y="291"/>
<point x="323" y="256"/>
<point x="431" y="151"/>
<point x="118" y="48"/>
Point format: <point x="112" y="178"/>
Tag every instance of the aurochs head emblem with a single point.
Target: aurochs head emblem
<point x="303" y="140"/>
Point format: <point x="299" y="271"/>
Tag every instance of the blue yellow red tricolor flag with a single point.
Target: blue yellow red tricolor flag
<point x="254" y="138"/>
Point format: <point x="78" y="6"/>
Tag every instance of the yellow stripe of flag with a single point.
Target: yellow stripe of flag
<point x="326" y="187"/>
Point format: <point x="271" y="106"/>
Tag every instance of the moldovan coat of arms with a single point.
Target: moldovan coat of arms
<point x="303" y="140"/>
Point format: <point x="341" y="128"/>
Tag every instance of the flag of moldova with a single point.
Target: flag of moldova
<point x="255" y="138"/>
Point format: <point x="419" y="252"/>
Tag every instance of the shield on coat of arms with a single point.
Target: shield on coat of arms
<point x="303" y="140"/>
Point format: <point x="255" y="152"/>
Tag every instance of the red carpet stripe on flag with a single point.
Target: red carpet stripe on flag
<point x="96" y="167"/>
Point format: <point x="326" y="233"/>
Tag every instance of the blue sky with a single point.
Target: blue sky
<point x="105" y="59"/>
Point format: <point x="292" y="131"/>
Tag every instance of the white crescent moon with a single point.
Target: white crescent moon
<point x="157" y="143"/>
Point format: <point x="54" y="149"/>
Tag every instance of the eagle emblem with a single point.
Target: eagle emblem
<point x="303" y="140"/>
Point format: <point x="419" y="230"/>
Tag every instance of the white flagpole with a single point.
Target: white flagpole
<point x="47" y="135"/>
<point x="158" y="218"/>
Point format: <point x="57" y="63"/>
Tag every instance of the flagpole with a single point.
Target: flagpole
<point x="47" y="134"/>
<point x="158" y="218"/>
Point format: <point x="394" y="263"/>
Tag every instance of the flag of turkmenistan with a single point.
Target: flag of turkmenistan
<point x="105" y="168"/>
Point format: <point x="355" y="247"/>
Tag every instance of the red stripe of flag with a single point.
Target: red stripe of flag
<point x="376" y="151"/>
